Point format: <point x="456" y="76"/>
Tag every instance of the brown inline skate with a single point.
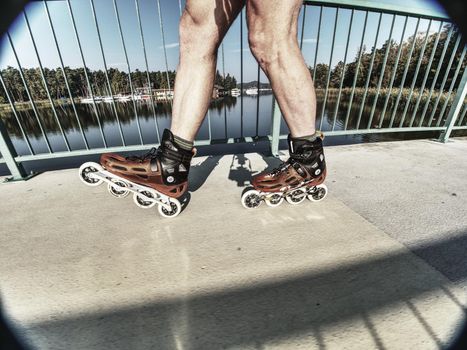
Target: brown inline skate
<point x="300" y="177"/>
<point x="158" y="177"/>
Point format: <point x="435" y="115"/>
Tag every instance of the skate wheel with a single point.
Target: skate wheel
<point x="251" y="199"/>
<point x="176" y="208"/>
<point x="296" y="196"/>
<point x="118" y="192"/>
<point x="274" y="200"/>
<point x="88" y="168"/>
<point x="142" y="201"/>
<point x="317" y="193"/>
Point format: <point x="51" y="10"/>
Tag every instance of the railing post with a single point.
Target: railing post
<point x="275" y="128"/>
<point x="455" y="108"/>
<point x="8" y="153"/>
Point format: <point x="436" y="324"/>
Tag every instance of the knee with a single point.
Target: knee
<point x="261" y="46"/>
<point x="267" y="46"/>
<point x="198" y="36"/>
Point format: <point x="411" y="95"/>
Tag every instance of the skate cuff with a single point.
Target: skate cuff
<point x="175" y="155"/>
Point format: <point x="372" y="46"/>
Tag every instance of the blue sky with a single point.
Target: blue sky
<point x="171" y="13"/>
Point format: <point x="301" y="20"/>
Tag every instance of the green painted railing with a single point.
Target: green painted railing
<point x="426" y="99"/>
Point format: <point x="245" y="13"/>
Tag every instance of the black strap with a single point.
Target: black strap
<point x="175" y="155"/>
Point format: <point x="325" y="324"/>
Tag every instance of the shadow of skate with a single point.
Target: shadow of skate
<point x="197" y="177"/>
<point x="185" y="200"/>
<point x="241" y="171"/>
<point x="200" y="172"/>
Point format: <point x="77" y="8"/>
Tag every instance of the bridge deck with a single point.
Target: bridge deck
<point x="380" y="263"/>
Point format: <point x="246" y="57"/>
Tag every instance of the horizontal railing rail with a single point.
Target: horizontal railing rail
<point x="376" y="6"/>
<point x="414" y="81"/>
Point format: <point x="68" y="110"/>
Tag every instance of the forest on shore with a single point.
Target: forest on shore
<point x="364" y="70"/>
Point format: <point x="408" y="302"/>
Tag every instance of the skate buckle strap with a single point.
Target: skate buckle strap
<point x="174" y="155"/>
<point x="298" y="168"/>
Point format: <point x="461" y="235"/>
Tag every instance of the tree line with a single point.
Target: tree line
<point x="76" y="77"/>
<point x="349" y="70"/>
<point x="119" y="80"/>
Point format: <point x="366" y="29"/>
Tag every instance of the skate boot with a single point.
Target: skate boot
<point x="158" y="177"/>
<point x="300" y="177"/>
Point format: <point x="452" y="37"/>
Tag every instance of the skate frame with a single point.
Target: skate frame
<point x="136" y="189"/>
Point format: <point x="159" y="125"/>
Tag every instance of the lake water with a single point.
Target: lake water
<point x="225" y="119"/>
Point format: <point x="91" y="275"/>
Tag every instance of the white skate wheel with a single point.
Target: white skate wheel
<point x="116" y="191"/>
<point x="296" y="196"/>
<point x="88" y="168"/>
<point x="143" y="202"/>
<point x="274" y="200"/>
<point x="318" y="193"/>
<point x="251" y="199"/>
<point x="176" y="208"/>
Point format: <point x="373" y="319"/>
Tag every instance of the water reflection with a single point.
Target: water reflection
<point x="224" y="120"/>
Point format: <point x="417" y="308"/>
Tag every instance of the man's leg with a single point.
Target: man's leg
<point x="202" y="28"/>
<point x="272" y="27"/>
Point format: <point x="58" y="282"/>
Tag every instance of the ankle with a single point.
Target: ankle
<point x="184" y="144"/>
<point x="307" y="137"/>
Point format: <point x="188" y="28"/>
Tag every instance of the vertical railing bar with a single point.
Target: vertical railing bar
<point x="370" y="71"/>
<point x="404" y="76"/>
<point x="425" y="78"/>
<point x="28" y="92"/>
<point x="257" y="102"/>
<point x="329" y="69"/>
<point x="352" y="93"/>
<point x="15" y="113"/>
<point x="446" y="75"/>
<point x="438" y="69"/>
<point x="109" y="86"/>
<point x="381" y="74"/>
<point x="8" y="154"/>
<point x="223" y="85"/>
<point x="161" y="26"/>
<point x="303" y="26"/>
<point x="241" y="73"/>
<point x="129" y="71"/>
<point x="461" y="120"/>
<point x="209" y="125"/>
<point x="455" y="109"/>
<point x="147" y="68"/>
<point x="343" y="71"/>
<point x="180" y="6"/>
<point x="417" y="69"/>
<point x="275" y="127"/>
<point x="44" y="81"/>
<point x="396" y="65"/>
<point x="70" y="10"/>
<point x="317" y="41"/>
<point x="73" y="105"/>
<point x="453" y="82"/>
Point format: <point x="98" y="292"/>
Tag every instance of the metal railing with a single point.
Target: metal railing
<point x="456" y="114"/>
<point x="425" y="102"/>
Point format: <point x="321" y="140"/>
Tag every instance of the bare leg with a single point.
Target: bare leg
<point x="272" y="27"/>
<point x="202" y="28"/>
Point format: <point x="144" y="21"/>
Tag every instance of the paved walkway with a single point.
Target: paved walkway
<point x="380" y="264"/>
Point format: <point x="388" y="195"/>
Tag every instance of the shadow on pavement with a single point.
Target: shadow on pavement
<point x="256" y="314"/>
<point x="200" y="172"/>
<point x="241" y="171"/>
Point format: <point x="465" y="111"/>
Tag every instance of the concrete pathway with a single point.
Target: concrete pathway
<point x="362" y="270"/>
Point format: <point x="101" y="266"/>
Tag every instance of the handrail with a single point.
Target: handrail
<point x="376" y="6"/>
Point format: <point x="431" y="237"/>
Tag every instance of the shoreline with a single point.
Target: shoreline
<point x="332" y="97"/>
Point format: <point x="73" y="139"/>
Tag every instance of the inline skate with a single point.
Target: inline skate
<point x="158" y="177"/>
<point x="300" y="177"/>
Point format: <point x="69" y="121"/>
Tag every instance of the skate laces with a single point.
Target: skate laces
<point x="149" y="155"/>
<point x="280" y="168"/>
